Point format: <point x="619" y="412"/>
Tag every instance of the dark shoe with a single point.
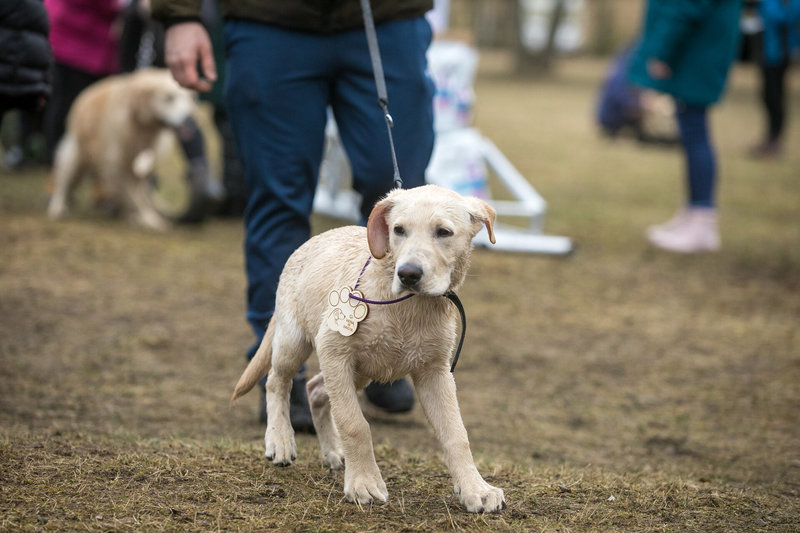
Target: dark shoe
<point x="299" y="411"/>
<point x="262" y="405"/>
<point x="394" y="397"/>
<point x="231" y="206"/>
<point x="766" y="150"/>
<point x="205" y="193"/>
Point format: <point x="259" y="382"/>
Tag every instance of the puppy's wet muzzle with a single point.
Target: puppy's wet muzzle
<point x="409" y="275"/>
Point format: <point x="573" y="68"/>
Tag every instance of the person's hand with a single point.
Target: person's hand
<point x="658" y="70"/>
<point x="187" y="44"/>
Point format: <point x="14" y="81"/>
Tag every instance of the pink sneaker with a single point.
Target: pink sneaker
<point x="654" y="232"/>
<point x="690" y="231"/>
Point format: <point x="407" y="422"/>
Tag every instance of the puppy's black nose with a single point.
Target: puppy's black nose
<point x="409" y="274"/>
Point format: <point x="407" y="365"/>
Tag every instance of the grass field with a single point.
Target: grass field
<point x="616" y="389"/>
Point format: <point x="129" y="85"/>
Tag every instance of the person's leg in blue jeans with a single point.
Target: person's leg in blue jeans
<point x="701" y="165"/>
<point x="354" y="99"/>
<point x="277" y="92"/>
<point x="278" y="86"/>
<point x="694" y="228"/>
<point x="276" y="96"/>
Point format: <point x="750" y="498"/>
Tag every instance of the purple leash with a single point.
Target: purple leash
<point x="376" y="302"/>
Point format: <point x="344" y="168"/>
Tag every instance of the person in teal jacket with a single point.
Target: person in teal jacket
<point x="686" y="50"/>
<point x="781" y="41"/>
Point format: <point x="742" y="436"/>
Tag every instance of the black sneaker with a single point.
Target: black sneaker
<point x="299" y="410"/>
<point x="394" y="397"/>
<point x="205" y="193"/>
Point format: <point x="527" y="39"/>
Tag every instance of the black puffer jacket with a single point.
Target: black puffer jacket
<point x="319" y="16"/>
<point x="25" y="54"/>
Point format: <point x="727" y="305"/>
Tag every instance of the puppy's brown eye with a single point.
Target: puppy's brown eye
<point x="444" y="232"/>
<point x="399" y="230"/>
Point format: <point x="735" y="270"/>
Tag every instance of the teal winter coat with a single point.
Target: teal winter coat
<point x="698" y="39"/>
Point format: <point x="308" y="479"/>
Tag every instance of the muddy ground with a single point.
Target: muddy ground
<point x="618" y="388"/>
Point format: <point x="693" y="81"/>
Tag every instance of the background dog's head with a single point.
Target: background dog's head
<point x="427" y="233"/>
<point x="160" y="100"/>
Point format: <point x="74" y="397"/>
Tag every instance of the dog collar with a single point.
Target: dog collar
<point x="376" y="302"/>
<point x="355" y="294"/>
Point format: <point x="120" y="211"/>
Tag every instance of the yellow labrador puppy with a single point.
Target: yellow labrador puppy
<point x="417" y="242"/>
<point x="112" y="131"/>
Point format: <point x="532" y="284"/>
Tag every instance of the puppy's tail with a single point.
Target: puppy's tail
<point x="258" y="367"/>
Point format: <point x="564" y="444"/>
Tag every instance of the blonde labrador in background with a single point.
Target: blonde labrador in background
<point x="112" y="132"/>
<point x="419" y="241"/>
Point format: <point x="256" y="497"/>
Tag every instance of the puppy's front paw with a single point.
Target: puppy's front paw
<point x="483" y="498"/>
<point x="280" y="447"/>
<point x="365" y="488"/>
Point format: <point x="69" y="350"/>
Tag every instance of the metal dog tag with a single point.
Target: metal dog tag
<point x="346" y="312"/>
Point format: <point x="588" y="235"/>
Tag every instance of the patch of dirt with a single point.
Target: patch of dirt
<point x="615" y="389"/>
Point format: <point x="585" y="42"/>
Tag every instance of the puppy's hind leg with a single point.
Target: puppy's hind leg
<point x="289" y="352"/>
<point x="329" y="442"/>
<point x="65" y="176"/>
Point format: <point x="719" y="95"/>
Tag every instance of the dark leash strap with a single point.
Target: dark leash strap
<point x="453" y="297"/>
<point x="450" y="295"/>
<point x="380" y="82"/>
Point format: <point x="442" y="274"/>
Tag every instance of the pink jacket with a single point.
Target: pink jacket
<point x="82" y="34"/>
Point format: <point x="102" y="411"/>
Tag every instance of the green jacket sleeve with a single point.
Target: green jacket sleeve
<point x="165" y="10"/>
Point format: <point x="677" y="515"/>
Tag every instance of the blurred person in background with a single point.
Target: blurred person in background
<point x="781" y="43"/>
<point x="686" y="50"/>
<point x="623" y="108"/>
<point x="84" y="37"/>
<point x="25" y="59"/>
<point x="286" y="63"/>
<point x="25" y="55"/>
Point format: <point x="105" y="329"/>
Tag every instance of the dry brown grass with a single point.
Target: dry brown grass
<point x="615" y="389"/>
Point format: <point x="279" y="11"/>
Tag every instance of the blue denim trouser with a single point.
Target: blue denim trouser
<point x="279" y="84"/>
<point x="701" y="166"/>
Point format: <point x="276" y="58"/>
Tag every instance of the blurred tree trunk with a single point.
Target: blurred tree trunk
<point x="603" y="30"/>
<point x="527" y="62"/>
<point x="492" y="22"/>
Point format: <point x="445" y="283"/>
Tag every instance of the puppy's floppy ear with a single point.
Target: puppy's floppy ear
<point x="378" y="229"/>
<point x="482" y="213"/>
<point x="142" y="103"/>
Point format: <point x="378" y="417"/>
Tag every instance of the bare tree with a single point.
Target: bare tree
<point x="603" y="27"/>
<point x="527" y="62"/>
